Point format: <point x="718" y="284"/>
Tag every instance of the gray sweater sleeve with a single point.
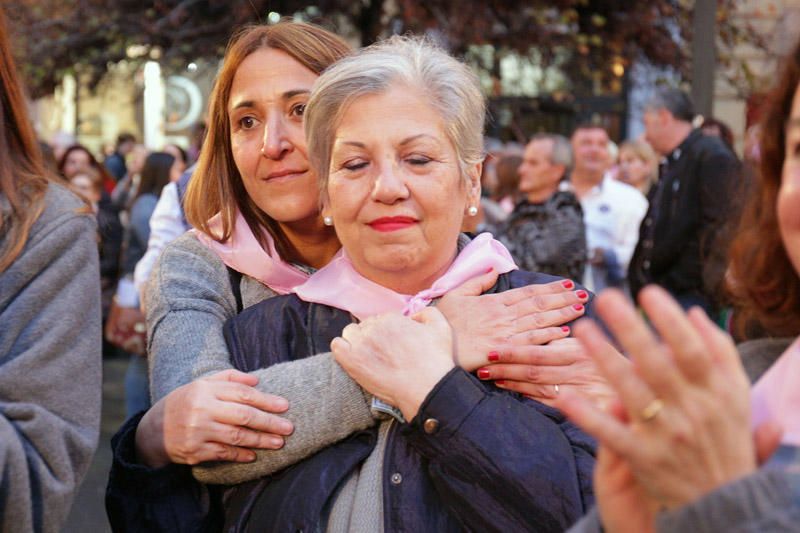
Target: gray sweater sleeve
<point x="590" y="523"/>
<point x="768" y="500"/>
<point x="188" y="300"/>
<point x="50" y="367"/>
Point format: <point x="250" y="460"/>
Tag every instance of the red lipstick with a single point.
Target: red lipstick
<point x="387" y="224"/>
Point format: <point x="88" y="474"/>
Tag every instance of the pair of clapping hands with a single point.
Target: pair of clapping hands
<point x="680" y="425"/>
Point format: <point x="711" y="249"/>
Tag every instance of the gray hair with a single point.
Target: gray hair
<point x="673" y="100"/>
<point x="561" y="154"/>
<point x="452" y="88"/>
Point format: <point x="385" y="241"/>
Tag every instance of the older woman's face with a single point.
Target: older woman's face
<point x="395" y="191"/>
<point x="789" y="193"/>
<point x="265" y="110"/>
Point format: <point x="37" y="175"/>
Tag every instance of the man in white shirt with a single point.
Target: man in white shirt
<point x="612" y="210"/>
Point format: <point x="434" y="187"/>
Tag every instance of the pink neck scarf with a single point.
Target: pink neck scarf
<point x="243" y="253"/>
<point x="339" y="285"/>
<point x="776" y="396"/>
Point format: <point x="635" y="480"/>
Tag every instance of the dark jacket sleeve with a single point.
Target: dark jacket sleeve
<point x="139" y="498"/>
<point x="492" y="449"/>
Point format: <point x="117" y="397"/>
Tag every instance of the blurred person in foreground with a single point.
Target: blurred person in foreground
<point x="545" y="232"/>
<point x="638" y="165"/>
<point x="678" y="453"/>
<point x="612" y="210"/>
<point x="683" y="237"/>
<point x="50" y="379"/>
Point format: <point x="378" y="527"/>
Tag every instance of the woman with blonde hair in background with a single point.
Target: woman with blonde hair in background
<point x="638" y="165"/>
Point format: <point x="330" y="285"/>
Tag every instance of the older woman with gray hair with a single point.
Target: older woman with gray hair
<point x="394" y="134"/>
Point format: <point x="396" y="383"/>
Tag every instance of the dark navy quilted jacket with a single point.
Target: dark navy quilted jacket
<point x="496" y="462"/>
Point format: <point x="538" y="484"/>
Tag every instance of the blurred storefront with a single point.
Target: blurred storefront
<point x="157" y="106"/>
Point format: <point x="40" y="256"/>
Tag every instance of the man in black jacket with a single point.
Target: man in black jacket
<point x="681" y="239"/>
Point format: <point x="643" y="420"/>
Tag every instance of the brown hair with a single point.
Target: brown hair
<point x="94" y="164"/>
<point x="216" y="185"/>
<point x="762" y="280"/>
<point x="507" y="177"/>
<point x="23" y="179"/>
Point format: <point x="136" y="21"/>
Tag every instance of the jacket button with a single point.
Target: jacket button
<point x="431" y="425"/>
<point x="396" y="478"/>
<point x="646" y="264"/>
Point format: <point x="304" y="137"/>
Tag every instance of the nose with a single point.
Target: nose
<point x="389" y="186"/>
<point x="276" y="143"/>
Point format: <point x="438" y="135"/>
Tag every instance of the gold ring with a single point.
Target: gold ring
<point x="555" y="388"/>
<point x="652" y="410"/>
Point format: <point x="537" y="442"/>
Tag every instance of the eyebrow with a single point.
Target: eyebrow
<point x="407" y="140"/>
<point x="288" y="95"/>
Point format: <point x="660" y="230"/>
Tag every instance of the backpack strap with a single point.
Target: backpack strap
<point x="235" y="278"/>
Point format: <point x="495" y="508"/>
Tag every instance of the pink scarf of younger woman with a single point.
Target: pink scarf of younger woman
<point x="776" y="396"/>
<point x="339" y="285"/>
<point x="243" y="253"/>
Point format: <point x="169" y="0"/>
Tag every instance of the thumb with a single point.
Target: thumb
<point x="477" y="286"/>
<point x="235" y="376"/>
<point x="432" y="317"/>
<point x="767" y="437"/>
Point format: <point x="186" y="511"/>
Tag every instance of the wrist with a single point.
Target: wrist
<point x="415" y="394"/>
<point x="150" y="450"/>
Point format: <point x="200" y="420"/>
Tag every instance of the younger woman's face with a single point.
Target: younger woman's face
<point x="789" y="193"/>
<point x="265" y="109"/>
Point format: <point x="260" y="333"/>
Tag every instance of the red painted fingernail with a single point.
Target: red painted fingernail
<point x="567" y="284"/>
<point x="494" y="356"/>
<point x="577" y="307"/>
<point x="500" y="382"/>
<point x="565" y="329"/>
<point x="489" y="269"/>
<point x="483" y="373"/>
<point x="582" y="295"/>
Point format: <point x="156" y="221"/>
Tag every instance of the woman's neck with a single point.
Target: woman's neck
<point x="313" y="243"/>
<point x="406" y="281"/>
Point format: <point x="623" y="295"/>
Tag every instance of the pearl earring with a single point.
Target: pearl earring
<point x="328" y="221"/>
<point x="472" y="211"/>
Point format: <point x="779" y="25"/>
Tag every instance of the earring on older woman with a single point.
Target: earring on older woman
<point x="472" y="211"/>
<point x="328" y="221"/>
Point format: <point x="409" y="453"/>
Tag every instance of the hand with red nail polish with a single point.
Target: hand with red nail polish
<point x="486" y="324"/>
